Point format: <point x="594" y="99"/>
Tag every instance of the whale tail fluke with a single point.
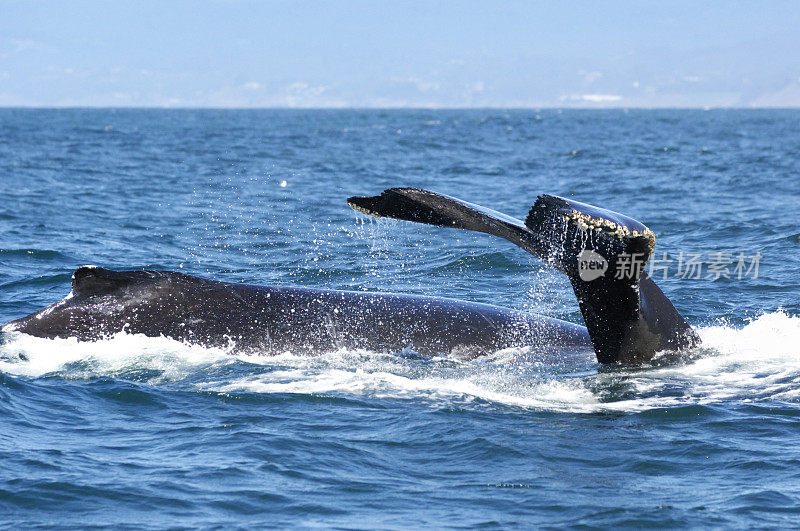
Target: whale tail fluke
<point x="603" y="253"/>
<point x="431" y="208"/>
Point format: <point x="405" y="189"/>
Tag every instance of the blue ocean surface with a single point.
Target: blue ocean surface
<point x="148" y="433"/>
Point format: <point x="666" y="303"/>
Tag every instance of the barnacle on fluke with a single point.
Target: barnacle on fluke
<point x="363" y="210"/>
<point x="587" y="222"/>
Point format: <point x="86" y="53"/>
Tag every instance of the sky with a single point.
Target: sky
<point x="380" y="53"/>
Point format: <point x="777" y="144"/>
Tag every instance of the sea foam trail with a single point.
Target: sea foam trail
<point x="759" y="361"/>
<point x="30" y="356"/>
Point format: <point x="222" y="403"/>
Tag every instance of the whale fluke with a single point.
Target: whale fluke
<point x="603" y="253"/>
<point x="628" y="317"/>
<point x="431" y="208"/>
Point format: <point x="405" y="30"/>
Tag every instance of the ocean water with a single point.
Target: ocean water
<point x="149" y="433"/>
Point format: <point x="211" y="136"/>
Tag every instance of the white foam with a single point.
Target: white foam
<point x="33" y="356"/>
<point x="389" y="376"/>
<point x="760" y="361"/>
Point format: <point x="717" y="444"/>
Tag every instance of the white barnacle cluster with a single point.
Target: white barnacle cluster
<point x="587" y="222"/>
<point x="363" y="210"/>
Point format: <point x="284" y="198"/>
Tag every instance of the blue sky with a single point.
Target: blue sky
<point x="285" y="53"/>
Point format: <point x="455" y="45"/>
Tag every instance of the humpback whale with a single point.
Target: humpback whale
<point x="603" y="253"/>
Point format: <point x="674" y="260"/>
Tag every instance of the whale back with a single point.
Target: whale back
<point x="273" y="319"/>
<point x="91" y="281"/>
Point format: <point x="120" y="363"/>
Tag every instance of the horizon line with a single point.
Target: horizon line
<point x="393" y="108"/>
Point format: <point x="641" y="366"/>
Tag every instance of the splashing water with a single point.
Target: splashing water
<point x="760" y="361"/>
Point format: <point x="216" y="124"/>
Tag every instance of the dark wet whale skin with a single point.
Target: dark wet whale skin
<point x="272" y="320"/>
